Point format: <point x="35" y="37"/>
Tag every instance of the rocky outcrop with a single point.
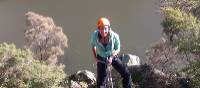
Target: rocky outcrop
<point x="82" y="79"/>
<point x="130" y="59"/>
<point x="167" y="58"/>
<point x="145" y="76"/>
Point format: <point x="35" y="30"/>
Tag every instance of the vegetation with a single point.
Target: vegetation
<point x="18" y="69"/>
<point x="185" y="27"/>
<point x="180" y="44"/>
<point x="34" y="66"/>
<point x="194" y="70"/>
<point x="44" y="38"/>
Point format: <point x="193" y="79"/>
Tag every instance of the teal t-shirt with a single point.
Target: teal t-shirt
<point x="113" y="44"/>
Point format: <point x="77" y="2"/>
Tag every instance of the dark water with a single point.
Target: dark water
<point x="136" y="21"/>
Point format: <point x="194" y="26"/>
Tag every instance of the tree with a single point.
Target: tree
<point x="189" y="6"/>
<point x="180" y="44"/>
<point x="45" y="39"/>
<point x="184" y="5"/>
<point x="182" y="29"/>
<point x="18" y="69"/>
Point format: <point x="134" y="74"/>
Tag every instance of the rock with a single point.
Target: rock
<point x="130" y="59"/>
<point x="74" y="84"/>
<point x="166" y="57"/>
<point x="148" y="77"/>
<point x="145" y="76"/>
<point x="83" y="77"/>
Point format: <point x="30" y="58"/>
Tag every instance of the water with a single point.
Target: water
<point x="136" y="21"/>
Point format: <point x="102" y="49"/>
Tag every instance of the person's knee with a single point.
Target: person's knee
<point x="126" y="74"/>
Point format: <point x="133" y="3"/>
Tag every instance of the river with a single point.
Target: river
<point x="136" y="21"/>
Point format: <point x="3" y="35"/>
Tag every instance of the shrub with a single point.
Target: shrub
<point x="18" y="69"/>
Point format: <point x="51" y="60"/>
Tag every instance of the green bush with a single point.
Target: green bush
<point x="18" y="69"/>
<point x="184" y="26"/>
<point x="194" y="71"/>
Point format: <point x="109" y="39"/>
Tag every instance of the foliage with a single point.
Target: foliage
<point x="180" y="43"/>
<point x="184" y="26"/>
<point x="194" y="70"/>
<point x="177" y="19"/>
<point x="184" y="5"/>
<point x="188" y="6"/>
<point x="18" y="69"/>
<point x="45" y="39"/>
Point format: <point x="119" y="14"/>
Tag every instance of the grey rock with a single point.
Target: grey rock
<point x="84" y="78"/>
<point x="130" y="59"/>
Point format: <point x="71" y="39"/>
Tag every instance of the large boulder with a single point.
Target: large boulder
<point x="130" y="59"/>
<point x="82" y="78"/>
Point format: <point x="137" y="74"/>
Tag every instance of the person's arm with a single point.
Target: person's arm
<point x="94" y="53"/>
<point x="116" y="47"/>
<point x="92" y="41"/>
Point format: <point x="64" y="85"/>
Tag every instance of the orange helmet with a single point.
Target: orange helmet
<point x="103" y="22"/>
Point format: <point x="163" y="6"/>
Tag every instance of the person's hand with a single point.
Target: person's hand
<point x="96" y="60"/>
<point x="110" y="60"/>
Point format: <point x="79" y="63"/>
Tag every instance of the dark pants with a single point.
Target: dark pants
<point x="118" y="65"/>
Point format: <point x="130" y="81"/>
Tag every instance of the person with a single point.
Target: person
<point x="105" y="47"/>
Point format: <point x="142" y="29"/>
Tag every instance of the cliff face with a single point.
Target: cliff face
<point x="167" y="58"/>
<point x="143" y="76"/>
